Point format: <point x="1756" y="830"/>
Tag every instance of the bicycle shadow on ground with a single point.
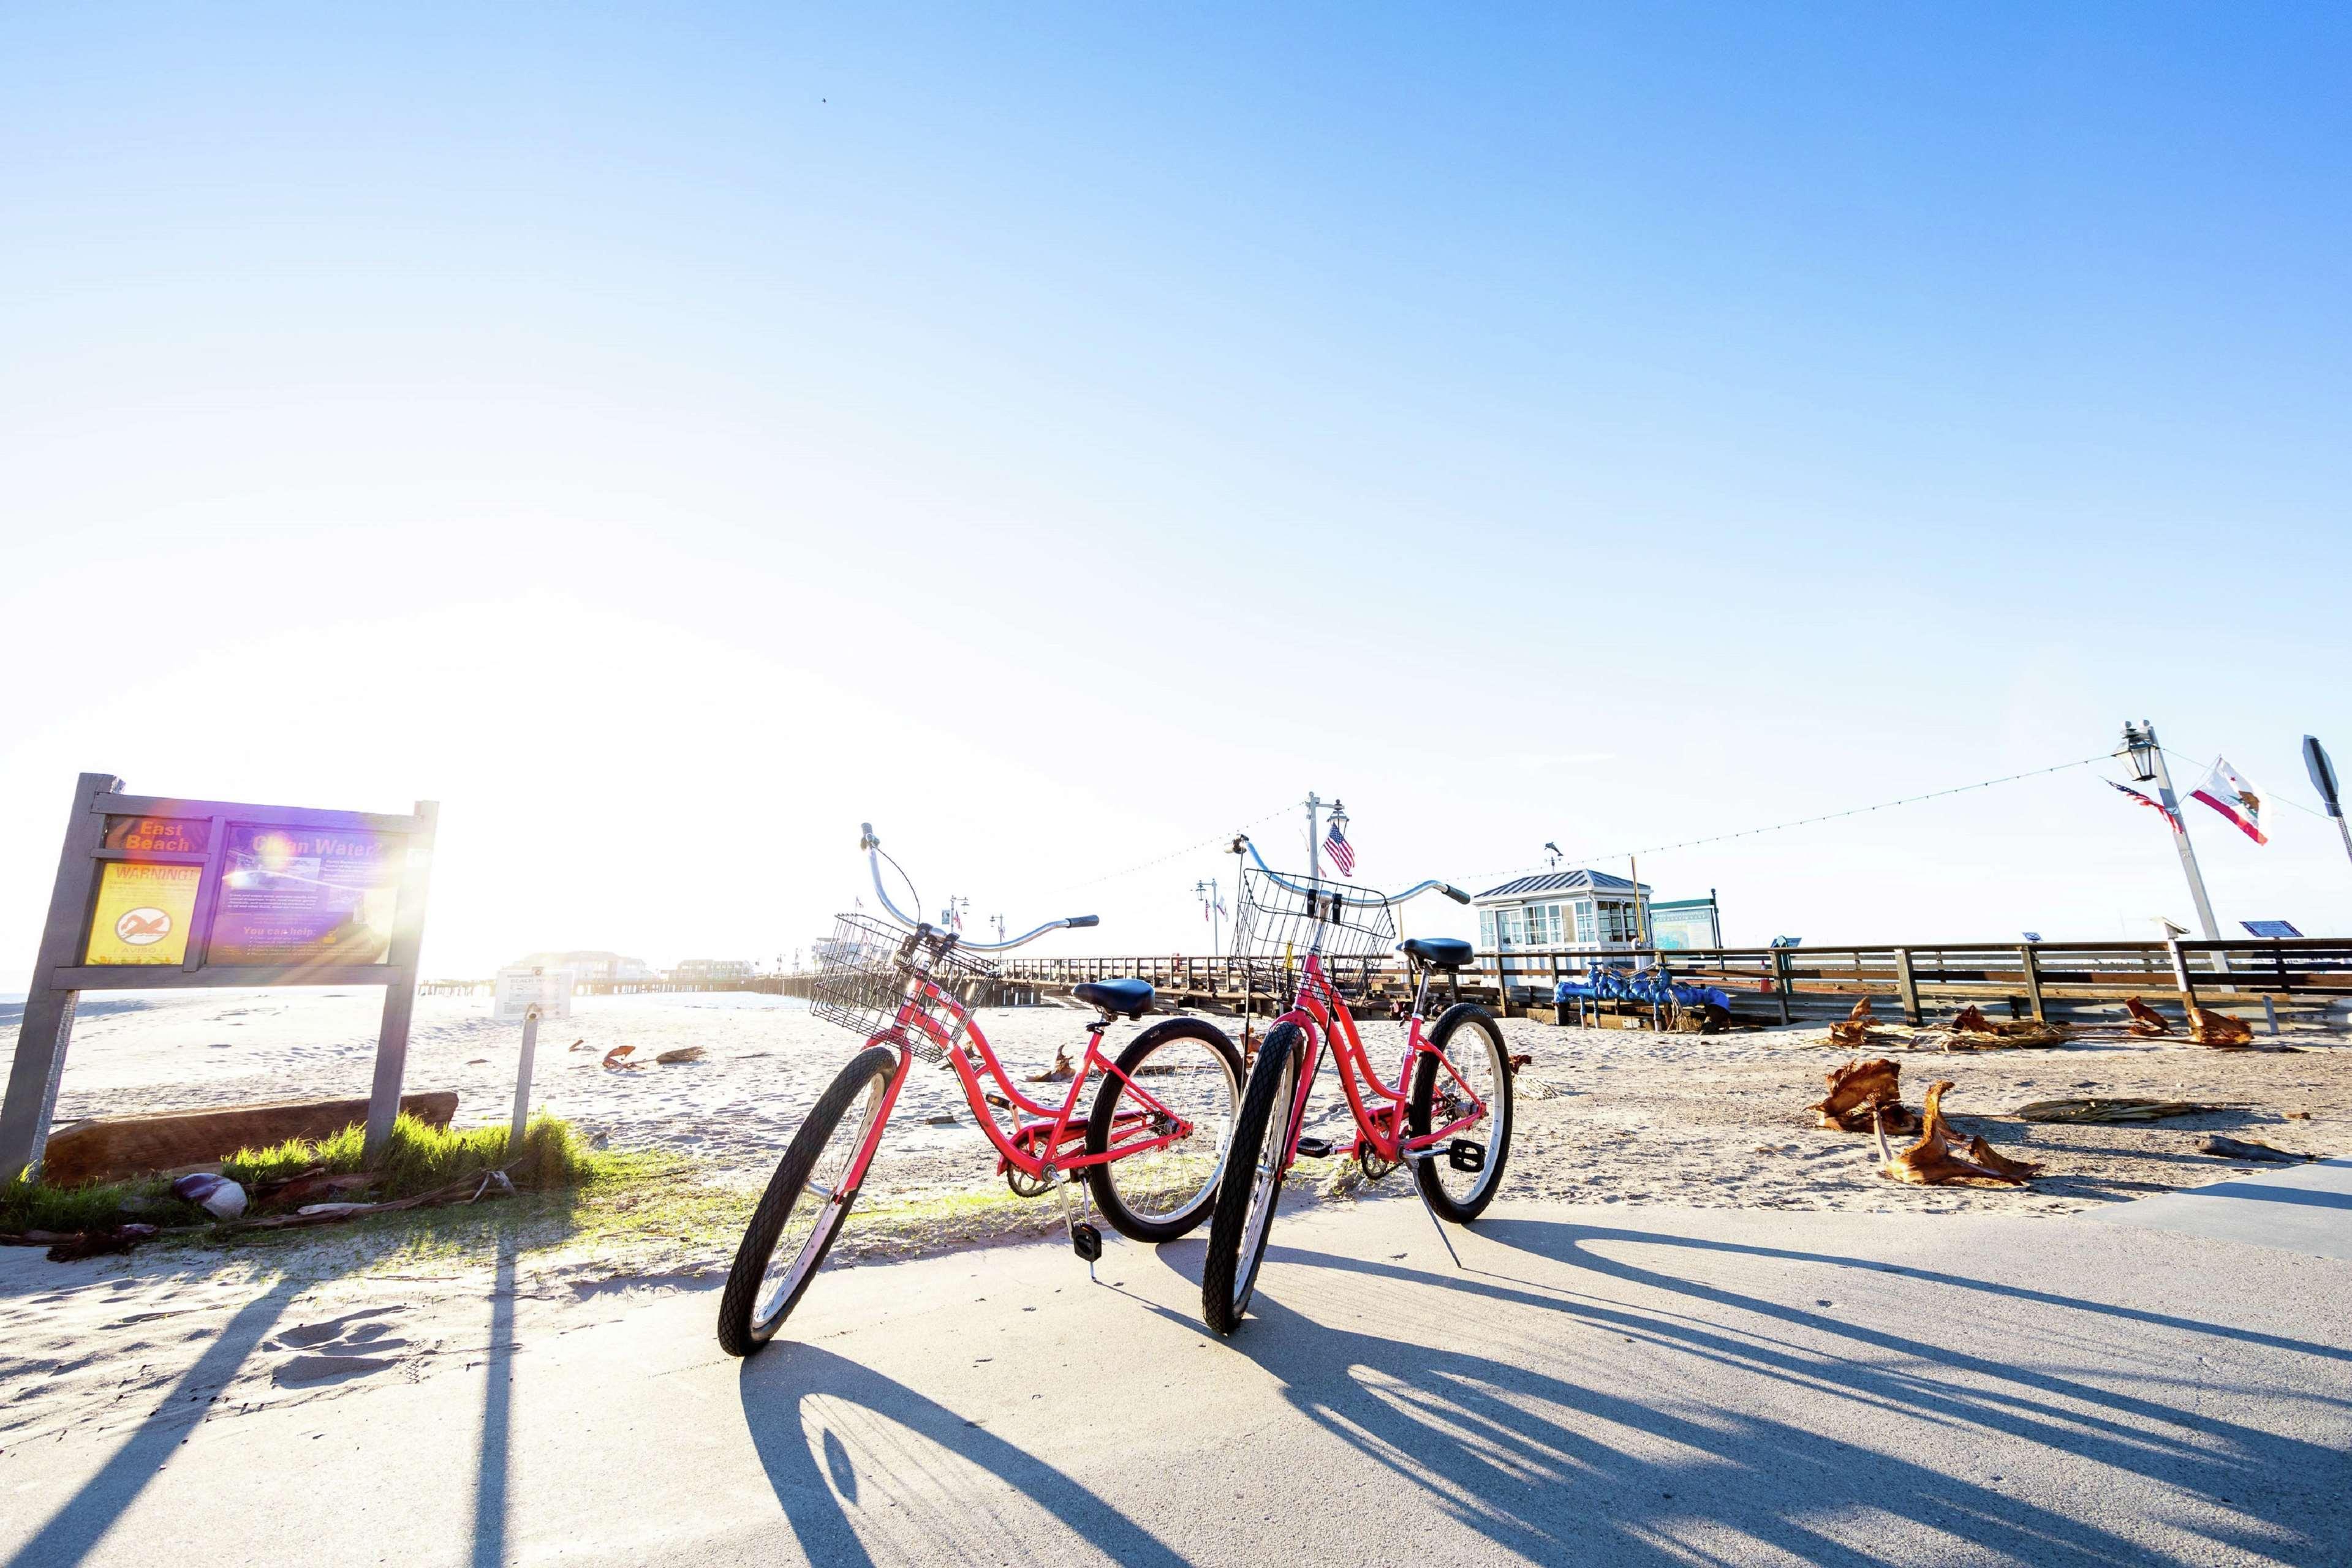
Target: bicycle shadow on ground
<point x="861" y="1461"/>
<point x="1730" y="1453"/>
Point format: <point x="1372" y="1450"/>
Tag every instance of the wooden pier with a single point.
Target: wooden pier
<point x="2039" y="980"/>
<point x="1781" y="985"/>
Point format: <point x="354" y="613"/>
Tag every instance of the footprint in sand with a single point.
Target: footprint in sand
<point x="338" y="1350"/>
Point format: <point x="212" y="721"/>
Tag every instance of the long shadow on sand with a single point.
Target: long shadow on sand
<point x="800" y="1401"/>
<point x="1528" y="1459"/>
<point x="84" y="1518"/>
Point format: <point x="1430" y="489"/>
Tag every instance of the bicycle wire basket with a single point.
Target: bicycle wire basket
<point x="864" y="969"/>
<point x="1282" y="919"/>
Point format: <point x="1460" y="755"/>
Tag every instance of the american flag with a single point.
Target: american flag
<point x="1342" y="853"/>
<point x="2148" y="800"/>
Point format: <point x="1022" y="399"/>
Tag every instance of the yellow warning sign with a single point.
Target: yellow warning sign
<point x="143" y="913"/>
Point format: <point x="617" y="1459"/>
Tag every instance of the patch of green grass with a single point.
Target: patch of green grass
<point x="419" y="1158"/>
<point x="36" y="1205"/>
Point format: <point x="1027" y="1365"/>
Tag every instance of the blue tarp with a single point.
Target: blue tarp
<point x="1610" y="984"/>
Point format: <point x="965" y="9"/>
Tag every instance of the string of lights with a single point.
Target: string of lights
<point x="1217" y="840"/>
<point x="1802" y="822"/>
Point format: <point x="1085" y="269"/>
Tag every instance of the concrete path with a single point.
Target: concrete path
<point x="1605" y="1385"/>
<point x="2298" y="1208"/>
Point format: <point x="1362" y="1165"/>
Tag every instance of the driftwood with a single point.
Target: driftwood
<point x="464" y="1189"/>
<point x="1939" y="1158"/>
<point x="2145" y="1019"/>
<point x="682" y="1053"/>
<point x="67" y="1246"/>
<point x="108" y="1148"/>
<point x="313" y="1187"/>
<point x="2245" y="1149"/>
<point x="1864" y="1094"/>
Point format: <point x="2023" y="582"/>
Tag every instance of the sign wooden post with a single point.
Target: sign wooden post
<point x="156" y="893"/>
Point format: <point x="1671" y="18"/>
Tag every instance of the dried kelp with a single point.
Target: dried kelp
<point x="1864" y="1094"/>
<point x="1939" y="1157"/>
<point x="2219" y="1030"/>
<point x="2097" y="1108"/>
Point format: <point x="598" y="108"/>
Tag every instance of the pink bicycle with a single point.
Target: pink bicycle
<point x="1447" y="1114"/>
<point x="1151" y="1154"/>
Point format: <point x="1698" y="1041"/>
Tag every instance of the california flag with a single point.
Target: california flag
<point x="2228" y="792"/>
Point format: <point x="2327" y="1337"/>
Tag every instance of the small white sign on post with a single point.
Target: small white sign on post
<point x="517" y="990"/>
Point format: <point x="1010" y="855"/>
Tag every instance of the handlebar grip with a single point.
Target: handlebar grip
<point x="1454" y="892"/>
<point x="1079" y="922"/>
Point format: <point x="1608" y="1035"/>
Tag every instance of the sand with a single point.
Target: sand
<point x="1606" y="1116"/>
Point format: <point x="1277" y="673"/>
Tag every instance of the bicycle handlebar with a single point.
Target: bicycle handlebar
<point x="872" y="848"/>
<point x="1361" y="902"/>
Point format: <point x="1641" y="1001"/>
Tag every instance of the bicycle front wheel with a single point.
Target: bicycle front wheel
<point x="1253" y="1181"/>
<point x="1180" y="1067"/>
<point x="1472" y="1046"/>
<point x="804" y="1206"/>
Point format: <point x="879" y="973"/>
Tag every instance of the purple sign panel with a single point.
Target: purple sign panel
<point x="305" y="895"/>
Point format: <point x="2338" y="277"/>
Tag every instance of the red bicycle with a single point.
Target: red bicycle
<point x="1447" y="1114"/>
<point x="1153" y="1157"/>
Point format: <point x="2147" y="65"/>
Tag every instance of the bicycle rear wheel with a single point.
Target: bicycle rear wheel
<point x="1253" y="1181"/>
<point x="1189" y="1069"/>
<point x="804" y="1206"/>
<point x="1473" y="1042"/>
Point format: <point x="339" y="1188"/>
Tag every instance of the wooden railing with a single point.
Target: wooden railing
<point x="2029" y="978"/>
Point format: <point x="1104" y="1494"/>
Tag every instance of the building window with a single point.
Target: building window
<point x="1584" y="921"/>
<point x="1487" y="929"/>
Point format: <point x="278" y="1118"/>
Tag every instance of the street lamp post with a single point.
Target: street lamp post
<point x="2316" y="762"/>
<point x="1206" y="888"/>
<point x="2148" y="766"/>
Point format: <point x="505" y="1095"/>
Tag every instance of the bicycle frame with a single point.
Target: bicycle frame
<point x="1037" y="1148"/>
<point x="1321" y="1015"/>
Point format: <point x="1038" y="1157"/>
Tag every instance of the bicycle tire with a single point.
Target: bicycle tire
<point x="1228" y="1279"/>
<point x="1102" y="1178"/>
<point x="742" y="1329"/>
<point x="1498" y="1141"/>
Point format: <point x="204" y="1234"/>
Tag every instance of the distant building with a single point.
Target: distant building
<point x="1580" y="908"/>
<point x="590" y="966"/>
<point x="713" y="969"/>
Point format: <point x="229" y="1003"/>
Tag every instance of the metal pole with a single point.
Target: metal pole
<point x="2316" y="762"/>
<point x="2180" y="840"/>
<point x="1314" y="838"/>
<point x="522" y="1083"/>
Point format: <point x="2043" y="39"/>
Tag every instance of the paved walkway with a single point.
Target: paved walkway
<point x="2297" y="1209"/>
<point x="1601" y="1385"/>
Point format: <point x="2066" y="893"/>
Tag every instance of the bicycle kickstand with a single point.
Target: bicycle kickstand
<point x="1430" y="1211"/>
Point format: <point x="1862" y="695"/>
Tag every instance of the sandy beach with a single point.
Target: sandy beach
<point x="1607" y="1115"/>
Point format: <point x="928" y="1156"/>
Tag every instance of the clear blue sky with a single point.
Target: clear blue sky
<point x="667" y="437"/>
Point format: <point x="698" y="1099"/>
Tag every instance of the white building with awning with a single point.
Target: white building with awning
<point x="1581" y="908"/>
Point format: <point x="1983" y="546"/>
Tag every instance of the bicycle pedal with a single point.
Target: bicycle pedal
<point x="1314" y="1148"/>
<point x="1086" y="1242"/>
<point x="1464" y="1155"/>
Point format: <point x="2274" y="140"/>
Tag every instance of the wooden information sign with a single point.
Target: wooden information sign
<point x="154" y="892"/>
